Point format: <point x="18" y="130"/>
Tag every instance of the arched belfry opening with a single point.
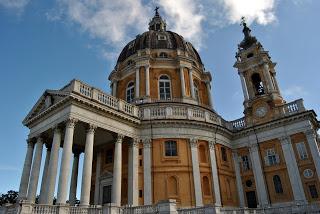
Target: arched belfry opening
<point x="257" y="84"/>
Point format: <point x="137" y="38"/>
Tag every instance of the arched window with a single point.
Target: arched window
<point x="257" y="84"/>
<point x="277" y="184"/>
<point x="130" y="92"/>
<point x="164" y="88"/>
<point x="202" y="154"/>
<point x="206" y="186"/>
<point x="172" y="186"/>
<point x="196" y="91"/>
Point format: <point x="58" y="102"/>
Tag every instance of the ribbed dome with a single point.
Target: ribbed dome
<point x="158" y="40"/>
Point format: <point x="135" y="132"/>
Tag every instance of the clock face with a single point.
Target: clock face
<point x="261" y="111"/>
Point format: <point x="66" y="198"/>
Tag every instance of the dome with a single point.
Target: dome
<point x="158" y="38"/>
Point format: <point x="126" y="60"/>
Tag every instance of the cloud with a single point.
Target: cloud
<point x="294" y="92"/>
<point x="18" y="5"/>
<point x="185" y="18"/>
<point x="117" y="22"/>
<point x="261" y="11"/>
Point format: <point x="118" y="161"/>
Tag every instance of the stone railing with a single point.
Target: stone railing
<point x="139" y="209"/>
<point x="44" y="209"/>
<point x="176" y="111"/>
<point x="102" y="98"/>
<point x="287" y="109"/>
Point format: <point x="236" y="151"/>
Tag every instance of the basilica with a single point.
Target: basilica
<point x="157" y="137"/>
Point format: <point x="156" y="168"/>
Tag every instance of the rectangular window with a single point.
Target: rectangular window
<point x="171" y="148"/>
<point x="271" y="158"/>
<point x="313" y="191"/>
<point x="109" y="156"/>
<point x="140" y="193"/>
<point x="302" y="150"/>
<point x="140" y="151"/>
<point x="140" y="162"/>
<point x="245" y="163"/>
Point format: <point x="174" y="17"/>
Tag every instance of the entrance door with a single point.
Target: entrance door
<point x="251" y="199"/>
<point x="106" y="197"/>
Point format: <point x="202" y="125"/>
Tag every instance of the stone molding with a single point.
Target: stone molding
<point x="134" y="143"/>
<point x="310" y="133"/>
<point x="30" y="143"/>
<point x="285" y="140"/>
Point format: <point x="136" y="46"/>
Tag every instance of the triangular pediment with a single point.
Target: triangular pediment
<point x="47" y="99"/>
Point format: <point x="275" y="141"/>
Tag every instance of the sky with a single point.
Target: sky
<point x="45" y="44"/>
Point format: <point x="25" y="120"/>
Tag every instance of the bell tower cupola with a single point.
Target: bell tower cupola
<point x="258" y="79"/>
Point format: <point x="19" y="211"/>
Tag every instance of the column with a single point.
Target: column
<point x="293" y="170"/>
<point x="133" y="173"/>
<point x="214" y="171"/>
<point x="258" y="176"/>
<point x="244" y="86"/>
<point x="313" y="145"/>
<point x="137" y="85"/>
<point x="53" y="166"/>
<point x="26" y="171"/>
<point x="74" y="178"/>
<point x="183" y="84"/>
<point x="196" y="172"/>
<point x="238" y="178"/>
<point x="45" y="176"/>
<point x="97" y="183"/>
<point x="191" y="84"/>
<point x="114" y="88"/>
<point x="117" y="170"/>
<point x="268" y="77"/>
<point x="65" y="162"/>
<point x="147" y="191"/>
<point x="87" y="167"/>
<point x="147" y="81"/>
<point x="209" y="94"/>
<point x="35" y="170"/>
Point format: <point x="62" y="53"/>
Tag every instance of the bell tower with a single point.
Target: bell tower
<point x="258" y="79"/>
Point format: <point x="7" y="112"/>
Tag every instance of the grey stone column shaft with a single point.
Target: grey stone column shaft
<point x="147" y="80"/>
<point x="26" y="171"/>
<point x="98" y="172"/>
<point x="244" y="86"/>
<point x="114" y="88"/>
<point x="238" y="178"/>
<point x="35" y="171"/>
<point x="65" y="162"/>
<point x="313" y="145"/>
<point x="183" y="84"/>
<point x="137" y="85"/>
<point x="87" y="167"/>
<point x="209" y="94"/>
<point x="191" y="84"/>
<point x="44" y="177"/>
<point x="214" y="171"/>
<point x="53" y="166"/>
<point x="258" y="176"/>
<point x="117" y="172"/>
<point x="196" y="172"/>
<point x="74" y="179"/>
<point x="293" y="170"/>
<point x="133" y="173"/>
<point x="147" y="185"/>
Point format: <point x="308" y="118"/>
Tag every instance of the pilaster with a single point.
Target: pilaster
<point x="147" y="171"/>
<point x="196" y="171"/>
<point x="214" y="171"/>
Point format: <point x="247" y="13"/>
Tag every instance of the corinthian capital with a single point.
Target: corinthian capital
<point x="71" y="122"/>
<point x="193" y="142"/>
<point x="91" y="128"/>
<point x="310" y="133"/>
<point x="120" y="138"/>
<point x="147" y="143"/>
<point x="212" y="145"/>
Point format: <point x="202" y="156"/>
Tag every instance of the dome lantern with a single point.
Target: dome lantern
<point x="157" y="23"/>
